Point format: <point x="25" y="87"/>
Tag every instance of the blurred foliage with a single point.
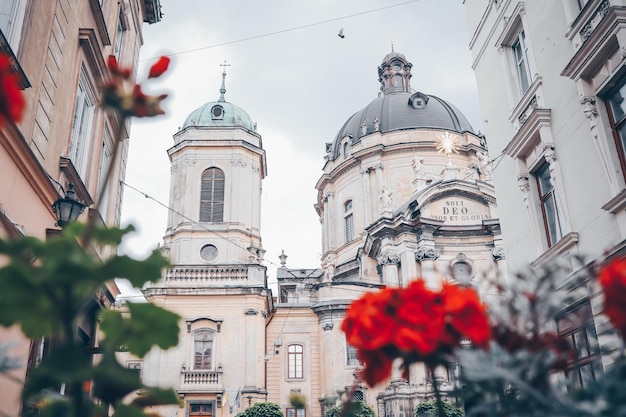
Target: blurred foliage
<point x="262" y="410"/>
<point x="431" y="409"/>
<point x="46" y="287"/>
<point x="351" y="409"/>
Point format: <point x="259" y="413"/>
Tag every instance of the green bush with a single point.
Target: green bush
<point x="355" y="409"/>
<point x="263" y="410"/>
<point x="430" y="409"/>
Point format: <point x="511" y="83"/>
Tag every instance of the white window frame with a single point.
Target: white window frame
<point x="515" y="32"/>
<point x="121" y="27"/>
<point x="82" y="124"/>
<point x="105" y="159"/>
<point x="348" y="217"/>
<point x="15" y="11"/>
<point x="295" y="368"/>
<point x="212" y="333"/>
<point x="522" y="67"/>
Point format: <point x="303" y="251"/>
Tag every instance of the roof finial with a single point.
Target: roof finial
<point x="392" y="51"/>
<point x="223" y="88"/>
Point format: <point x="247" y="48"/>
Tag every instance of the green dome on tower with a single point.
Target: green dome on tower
<point x="220" y="113"/>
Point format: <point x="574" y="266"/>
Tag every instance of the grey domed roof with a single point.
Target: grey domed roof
<point x="220" y="113"/>
<point x="400" y="109"/>
<point x="209" y="115"/>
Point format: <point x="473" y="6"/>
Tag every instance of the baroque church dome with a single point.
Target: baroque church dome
<point x="398" y="108"/>
<point x="220" y="113"/>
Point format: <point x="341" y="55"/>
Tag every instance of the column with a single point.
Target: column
<point x="367" y="196"/>
<point x="408" y="267"/>
<point x="250" y="349"/>
<point x="380" y="182"/>
<point x="330" y="226"/>
<point x="389" y="263"/>
<point x="426" y="255"/>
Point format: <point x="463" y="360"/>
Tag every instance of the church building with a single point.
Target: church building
<point x="406" y="192"/>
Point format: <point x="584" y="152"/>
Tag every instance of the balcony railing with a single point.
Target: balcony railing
<point x="201" y="380"/>
<point x="199" y="273"/>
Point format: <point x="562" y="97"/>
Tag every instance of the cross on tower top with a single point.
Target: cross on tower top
<point x="223" y="89"/>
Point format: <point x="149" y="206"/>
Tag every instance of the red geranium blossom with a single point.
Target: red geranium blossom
<point x="414" y="324"/>
<point x="12" y="101"/>
<point x="466" y="314"/>
<point x="421" y="320"/>
<point x="613" y="280"/>
<point x="135" y="103"/>
<point x="370" y="321"/>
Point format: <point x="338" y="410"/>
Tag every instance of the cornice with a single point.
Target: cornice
<point x="13" y="142"/>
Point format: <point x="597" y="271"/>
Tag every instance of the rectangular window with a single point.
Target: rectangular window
<point x="295" y="359"/>
<point x="84" y="110"/>
<point x="549" y="207"/>
<point x="205" y="410"/>
<point x="578" y="328"/>
<point x="12" y="20"/>
<point x="135" y="366"/>
<point x="119" y="35"/>
<point x="105" y="160"/>
<point x="349" y="221"/>
<point x="203" y="349"/>
<point x="351" y="357"/>
<point x="520" y="54"/>
<point x="617" y="115"/>
<point x="295" y="412"/>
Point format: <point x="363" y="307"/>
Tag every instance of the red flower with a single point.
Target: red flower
<point x="421" y="320"/>
<point x="12" y="101"/>
<point x="136" y="103"/>
<point x="377" y="366"/>
<point x="466" y="314"/>
<point x="370" y="322"/>
<point x="613" y="280"/>
<point x="159" y="67"/>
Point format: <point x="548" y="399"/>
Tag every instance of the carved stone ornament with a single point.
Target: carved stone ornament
<point x="523" y="183"/>
<point x="376" y="125"/>
<point x="590" y="110"/>
<point x="238" y="163"/>
<point x="549" y="153"/>
<point x="498" y="254"/>
<point x="251" y="312"/>
<point x="327" y="326"/>
<point x="388" y="259"/>
<point x="426" y="254"/>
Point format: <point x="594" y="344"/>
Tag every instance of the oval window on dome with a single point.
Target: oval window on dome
<point x="217" y="112"/>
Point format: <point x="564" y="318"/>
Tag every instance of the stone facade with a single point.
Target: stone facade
<point x="59" y="49"/>
<point x="552" y="98"/>
<point x="401" y="196"/>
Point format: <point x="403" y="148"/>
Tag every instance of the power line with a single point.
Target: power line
<point x="264" y="35"/>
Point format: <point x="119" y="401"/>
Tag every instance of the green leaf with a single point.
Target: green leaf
<point x="65" y="365"/>
<point x="137" y="272"/>
<point x="156" y="396"/>
<point x="111" y="236"/>
<point x="123" y="410"/>
<point x="112" y="381"/>
<point x="138" y="332"/>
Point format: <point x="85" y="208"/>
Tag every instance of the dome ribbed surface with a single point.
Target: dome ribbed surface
<point x="233" y="116"/>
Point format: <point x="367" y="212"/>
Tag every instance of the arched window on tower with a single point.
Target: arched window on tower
<point x="212" y="196"/>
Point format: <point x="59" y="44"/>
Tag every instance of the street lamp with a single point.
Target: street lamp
<point x="68" y="208"/>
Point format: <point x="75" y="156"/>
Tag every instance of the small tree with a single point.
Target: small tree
<point x="263" y="410"/>
<point x="355" y="409"/>
<point x="431" y="409"/>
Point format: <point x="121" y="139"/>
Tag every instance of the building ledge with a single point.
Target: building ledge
<point x="563" y="246"/>
<point x="617" y="203"/>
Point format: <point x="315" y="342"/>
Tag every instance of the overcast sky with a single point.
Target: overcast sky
<point x="300" y="85"/>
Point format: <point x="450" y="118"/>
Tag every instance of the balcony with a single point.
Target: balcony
<point x="203" y="273"/>
<point x="201" y="380"/>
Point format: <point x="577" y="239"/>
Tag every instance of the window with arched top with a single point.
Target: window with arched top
<point x="295" y="361"/>
<point x="203" y="349"/>
<point x="212" y="196"/>
<point x="348" y="220"/>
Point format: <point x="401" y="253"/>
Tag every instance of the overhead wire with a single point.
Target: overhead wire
<point x="277" y="32"/>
